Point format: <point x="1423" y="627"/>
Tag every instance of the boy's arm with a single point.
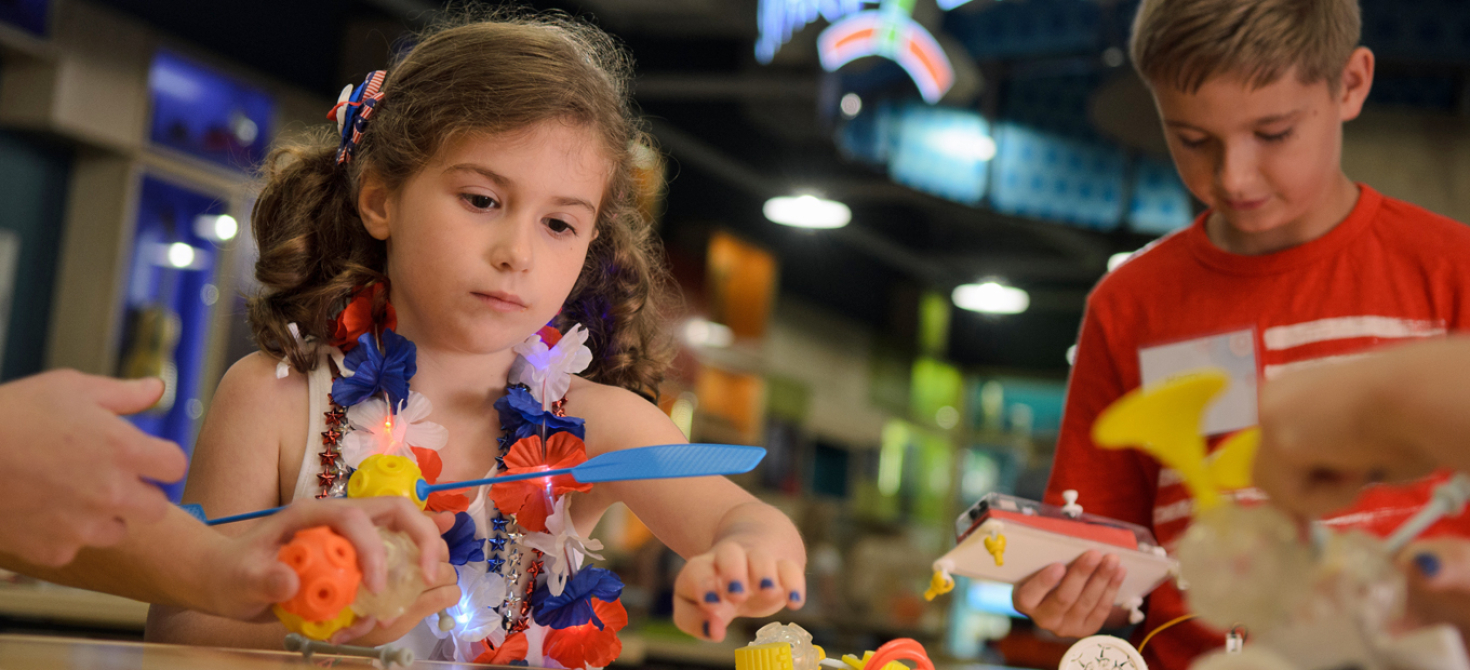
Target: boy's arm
<point x="1109" y="482"/>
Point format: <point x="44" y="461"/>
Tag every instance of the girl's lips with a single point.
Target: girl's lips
<point x="501" y="301"/>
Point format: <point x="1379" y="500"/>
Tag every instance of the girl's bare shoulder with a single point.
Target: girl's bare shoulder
<point x="618" y="418"/>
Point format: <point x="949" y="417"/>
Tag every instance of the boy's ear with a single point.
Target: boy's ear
<point x="373" y="205"/>
<point x="1357" y="82"/>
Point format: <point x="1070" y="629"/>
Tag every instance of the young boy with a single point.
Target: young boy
<point x="1293" y="265"/>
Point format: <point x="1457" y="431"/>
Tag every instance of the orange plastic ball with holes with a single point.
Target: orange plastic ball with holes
<point x="384" y="475"/>
<point x="326" y="563"/>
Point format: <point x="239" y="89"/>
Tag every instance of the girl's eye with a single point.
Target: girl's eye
<point x="478" y="201"/>
<point x="560" y="227"/>
<point x="1276" y="137"/>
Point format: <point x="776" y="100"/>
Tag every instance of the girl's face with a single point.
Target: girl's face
<point x="486" y="242"/>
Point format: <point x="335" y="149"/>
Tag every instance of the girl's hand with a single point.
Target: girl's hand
<point x="732" y="580"/>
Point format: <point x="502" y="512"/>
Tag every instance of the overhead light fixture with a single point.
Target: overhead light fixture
<point x="216" y="227"/>
<point x="807" y="211"/>
<point x="1118" y="259"/>
<point x="965" y="143"/>
<point x="180" y="255"/>
<point x="991" y="298"/>
<point x="852" y="105"/>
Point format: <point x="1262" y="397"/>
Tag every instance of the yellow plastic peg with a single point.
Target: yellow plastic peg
<point x="996" y="545"/>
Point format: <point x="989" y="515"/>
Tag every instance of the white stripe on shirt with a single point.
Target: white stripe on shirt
<point x="1348" y="327"/>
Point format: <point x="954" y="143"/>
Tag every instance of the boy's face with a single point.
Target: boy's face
<point x="1266" y="159"/>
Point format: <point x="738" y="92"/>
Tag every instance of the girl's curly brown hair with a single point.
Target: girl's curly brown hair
<point x="485" y="76"/>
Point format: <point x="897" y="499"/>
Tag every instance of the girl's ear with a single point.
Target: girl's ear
<point x="373" y="206"/>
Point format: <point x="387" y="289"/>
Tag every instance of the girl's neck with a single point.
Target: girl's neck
<point x="456" y="378"/>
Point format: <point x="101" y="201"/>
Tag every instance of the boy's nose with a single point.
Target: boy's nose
<point x="1237" y="170"/>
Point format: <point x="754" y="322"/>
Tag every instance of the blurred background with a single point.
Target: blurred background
<point x="884" y="218"/>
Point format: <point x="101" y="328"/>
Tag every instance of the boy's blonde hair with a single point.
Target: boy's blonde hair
<point x="1184" y="43"/>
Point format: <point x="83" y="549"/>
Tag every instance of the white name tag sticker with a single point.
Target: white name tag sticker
<point x="1235" y="353"/>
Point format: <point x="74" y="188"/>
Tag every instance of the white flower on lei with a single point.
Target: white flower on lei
<point x="548" y="371"/>
<point x="377" y="431"/>
<point x="475" y="617"/>
<point x="562" y="546"/>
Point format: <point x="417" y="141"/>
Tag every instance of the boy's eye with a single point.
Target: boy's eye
<point x="1192" y="143"/>
<point x="478" y="201"/>
<point x="559" y="226"/>
<point x="1275" y="137"/>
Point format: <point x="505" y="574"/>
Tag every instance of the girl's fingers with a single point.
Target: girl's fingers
<point x="793" y="583"/>
<point x="733" y="572"/>
<point x="766" y="596"/>
<point x="362" y="626"/>
<point x="697" y="620"/>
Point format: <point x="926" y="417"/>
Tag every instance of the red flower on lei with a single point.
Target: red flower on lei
<point x="528" y="500"/>
<point x="586" y="645"/>
<point x="514" y="648"/>
<point x="357" y="318"/>
<point x="439" y="501"/>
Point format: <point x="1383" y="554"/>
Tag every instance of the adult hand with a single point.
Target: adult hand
<point x="248" y="578"/>
<point x="1438" y="576"/>
<point x="1072" y="600"/>
<point x="76" y="474"/>
<point x="1324" y="437"/>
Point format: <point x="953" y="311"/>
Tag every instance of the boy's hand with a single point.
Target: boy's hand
<point x="1074" y="600"/>
<point x="1321" y="442"/>
<point x="248" y="578"/>
<point x="75" y="473"/>
<point x="729" y="581"/>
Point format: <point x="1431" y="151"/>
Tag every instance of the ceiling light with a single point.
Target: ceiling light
<point x="807" y="211"/>
<point x="852" y="105"/>
<point x="964" y="143"/>
<point x="216" y="227"/>
<point x="180" y="255"/>
<point x="991" y="298"/>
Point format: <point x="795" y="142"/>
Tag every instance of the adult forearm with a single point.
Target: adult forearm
<point x="163" y="563"/>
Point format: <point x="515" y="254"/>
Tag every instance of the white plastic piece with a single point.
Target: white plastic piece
<point x="1234" y="642"/>
<point x="1448" y="499"/>
<point x="1071" y="509"/>
<point x="446" y="622"/>
<point x="1029" y="549"/>
<point x="1134" y="606"/>
<point x="1102" y="651"/>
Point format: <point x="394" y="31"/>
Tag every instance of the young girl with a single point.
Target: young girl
<point x="481" y="188"/>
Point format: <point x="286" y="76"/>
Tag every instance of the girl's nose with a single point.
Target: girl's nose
<point x="512" y="248"/>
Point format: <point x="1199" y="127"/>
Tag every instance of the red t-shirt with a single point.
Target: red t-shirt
<point x="1390" y="272"/>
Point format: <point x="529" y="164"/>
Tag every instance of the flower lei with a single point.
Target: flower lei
<point x="525" y="596"/>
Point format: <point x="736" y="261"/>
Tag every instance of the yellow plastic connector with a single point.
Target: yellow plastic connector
<point x="940" y="584"/>
<point x="772" y="656"/>
<point x="996" y="545"/>
<point x="316" y="630"/>
<point x="384" y="475"/>
<point x="862" y="663"/>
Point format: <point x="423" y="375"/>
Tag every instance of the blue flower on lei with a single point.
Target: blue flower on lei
<point x="522" y="416"/>
<point x="574" y="606"/>
<point x="375" y="370"/>
<point x="463" y="547"/>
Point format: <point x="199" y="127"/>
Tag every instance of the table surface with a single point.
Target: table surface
<point x="56" y="653"/>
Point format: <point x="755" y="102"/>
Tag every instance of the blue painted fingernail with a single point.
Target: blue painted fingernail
<point x="1427" y="563"/>
<point x="711" y="598"/>
<point x="737" y="587"/>
<point x="706" y="629"/>
<point x="795" y="597"/>
<point x="767" y="583"/>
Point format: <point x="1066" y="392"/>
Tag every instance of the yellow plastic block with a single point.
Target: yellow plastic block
<point x="772" y="656"/>
<point x="316" y="630"/>
<point x="383" y="475"/>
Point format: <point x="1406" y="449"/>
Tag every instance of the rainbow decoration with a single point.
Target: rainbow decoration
<point x="889" y="32"/>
